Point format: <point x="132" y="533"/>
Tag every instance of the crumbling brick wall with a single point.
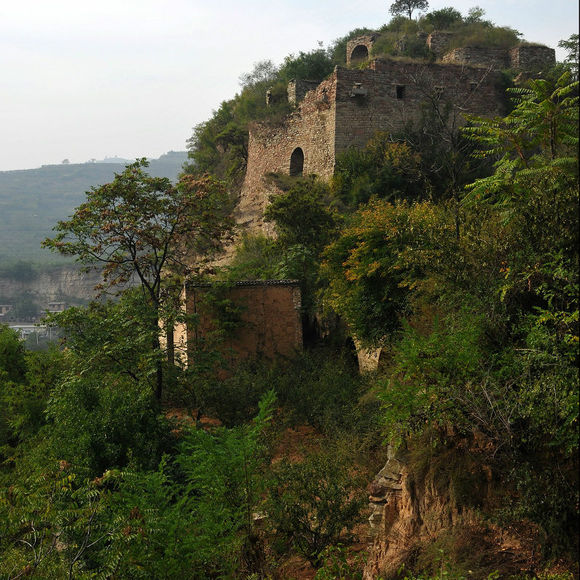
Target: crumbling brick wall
<point x="270" y="323"/>
<point x="398" y="93"/>
<point x="530" y="57"/>
<point x="348" y="108"/>
<point x="297" y="89"/>
<point x="311" y="128"/>
<point x="438" y="41"/>
<point x="524" y="57"/>
<point x="478" y="56"/>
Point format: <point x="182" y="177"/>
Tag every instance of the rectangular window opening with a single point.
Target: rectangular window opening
<point x="400" y="91"/>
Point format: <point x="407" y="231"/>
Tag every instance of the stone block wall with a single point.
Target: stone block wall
<point x="529" y="57"/>
<point x="270" y="313"/>
<point x="496" y="58"/>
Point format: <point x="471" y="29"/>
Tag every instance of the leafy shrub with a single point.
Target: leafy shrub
<point x="256" y="257"/>
<point x="323" y="388"/>
<point x="234" y="398"/>
<point x="443" y="19"/>
<point x="378" y="259"/>
<point x="312" y="503"/>
<point x="105" y="421"/>
<point x="337" y="565"/>
<point x="194" y="516"/>
<point x="383" y="169"/>
<point x="54" y="505"/>
<point x="12" y="355"/>
<point x="313" y="65"/>
<point x="479" y="34"/>
<point x="23" y="397"/>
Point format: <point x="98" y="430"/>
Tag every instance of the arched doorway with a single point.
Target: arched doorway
<point x="360" y="53"/>
<point x="297" y="162"/>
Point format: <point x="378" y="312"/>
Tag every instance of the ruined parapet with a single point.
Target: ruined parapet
<point x="302" y="143"/>
<point x="359" y="49"/>
<point x="297" y="89"/>
<point x="346" y="110"/>
<point x="529" y="57"/>
<point x="525" y="57"/>
<point x="488" y="57"/>
<point x="438" y="42"/>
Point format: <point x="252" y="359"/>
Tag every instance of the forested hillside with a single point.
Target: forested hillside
<point x="452" y="254"/>
<point x="33" y="200"/>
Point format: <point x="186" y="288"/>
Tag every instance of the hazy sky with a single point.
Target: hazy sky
<point x="131" y="78"/>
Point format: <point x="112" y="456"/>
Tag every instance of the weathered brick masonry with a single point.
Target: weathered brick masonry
<point x="531" y="57"/>
<point x="359" y="49"/>
<point x="347" y="109"/>
<point x="310" y="128"/>
<point x="270" y="319"/>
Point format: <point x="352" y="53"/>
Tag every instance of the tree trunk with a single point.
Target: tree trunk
<point x="156" y="344"/>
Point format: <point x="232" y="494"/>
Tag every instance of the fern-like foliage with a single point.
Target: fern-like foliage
<point x="537" y="143"/>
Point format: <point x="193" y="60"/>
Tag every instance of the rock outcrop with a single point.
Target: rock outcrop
<point x="63" y="283"/>
<point x="418" y="512"/>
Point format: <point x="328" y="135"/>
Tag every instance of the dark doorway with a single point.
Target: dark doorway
<point x="297" y="162"/>
<point x="360" y="53"/>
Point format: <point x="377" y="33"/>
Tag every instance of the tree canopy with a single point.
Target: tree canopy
<point x="144" y="230"/>
<point x="408" y="7"/>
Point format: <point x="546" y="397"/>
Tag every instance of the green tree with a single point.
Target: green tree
<point x="384" y="168"/>
<point x="97" y="337"/>
<point x="194" y="516"/>
<point x="100" y="421"/>
<point x="407" y="7"/>
<point x="264" y="71"/>
<point x="12" y="355"/>
<point x="572" y="47"/>
<point x="312" y="503"/>
<point x="144" y="229"/>
<point x="499" y="350"/>
<point x="475" y="16"/>
<point x="444" y="18"/>
<point x="377" y="259"/>
<point x="304" y="225"/>
<point x="314" y="65"/>
<point x="54" y="522"/>
<point x="301" y="214"/>
<point x="535" y="149"/>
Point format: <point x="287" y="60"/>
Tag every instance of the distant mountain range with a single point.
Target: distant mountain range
<point x="33" y="200"/>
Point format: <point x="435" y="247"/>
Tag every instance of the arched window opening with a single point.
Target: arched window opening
<point x="297" y="162"/>
<point x="359" y="53"/>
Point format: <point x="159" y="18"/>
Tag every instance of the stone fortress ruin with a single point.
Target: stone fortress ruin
<point x="371" y="95"/>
